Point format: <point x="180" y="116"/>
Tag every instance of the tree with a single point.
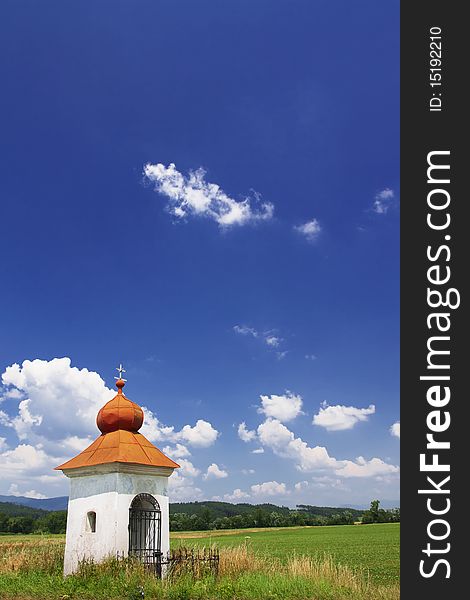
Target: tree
<point x="374" y="510"/>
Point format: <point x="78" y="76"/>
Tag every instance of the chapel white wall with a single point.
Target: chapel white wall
<point x="109" y="495"/>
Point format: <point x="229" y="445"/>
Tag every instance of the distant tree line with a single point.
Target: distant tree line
<point x="200" y="516"/>
<point x="197" y="516"/>
<point x="375" y="514"/>
<point x="23" y="519"/>
<point x="257" y="518"/>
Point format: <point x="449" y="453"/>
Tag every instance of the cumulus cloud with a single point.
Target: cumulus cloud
<point x="14" y="491"/>
<point x="75" y="443"/>
<point x="237" y="494"/>
<point x="182" y="489"/>
<point x="192" y="195"/>
<point x="322" y="482"/>
<point x="215" y="472"/>
<point x="258" y="451"/>
<point x="248" y="471"/>
<point x="187" y="469"/>
<point x="339" y="417"/>
<point x="276" y="436"/>
<point x="59" y="400"/>
<point x="154" y="430"/>
<point x="26" y="461"/>
<point x="55" y="418"/>
<point x="395" y="429"/>
<point x="201" y="435"/>
<point x="178" y="451"/>
<point x="62" y="402"/>
<point x="284" y="408"/>
<point x="365" y="468"/>
<point x="383" y="201"/>
<point x="309" y="230"/>
<point x="269" y="488"/>
<point x="245" y="434"/>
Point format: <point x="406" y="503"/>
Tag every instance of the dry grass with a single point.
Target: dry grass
<point x="38" y="555"/>
<point x="239" y="561"/>
<point x="242" y="574"/>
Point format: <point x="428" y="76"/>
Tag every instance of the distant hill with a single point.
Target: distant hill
<point x="59" y="503"/>
<point x="218" y="509"/>
<point x="227" y="509"/>
<point x="17" y="510"/>
<point x="383" y="504"/>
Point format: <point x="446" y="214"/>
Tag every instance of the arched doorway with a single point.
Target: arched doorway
<point x="145" y="531"/>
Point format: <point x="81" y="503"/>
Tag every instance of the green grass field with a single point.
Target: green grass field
<point x="298" y="563"/>
<point x="374" y="548"/>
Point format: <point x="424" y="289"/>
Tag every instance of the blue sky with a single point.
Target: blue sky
<point x="292" y="109"/>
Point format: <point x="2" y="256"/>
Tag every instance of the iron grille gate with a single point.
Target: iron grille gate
<point x="145" y="530"/>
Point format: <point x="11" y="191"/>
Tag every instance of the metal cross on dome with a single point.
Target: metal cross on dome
<point x="120" y="370"/>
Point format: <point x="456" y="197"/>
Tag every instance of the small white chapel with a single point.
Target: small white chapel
<point x="118" y="502"/>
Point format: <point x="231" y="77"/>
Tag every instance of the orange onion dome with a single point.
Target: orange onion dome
<point x="120" y="413"/>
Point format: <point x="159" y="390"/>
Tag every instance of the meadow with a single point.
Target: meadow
<point x="375" y="549"/>
<point x="298" y="563"/>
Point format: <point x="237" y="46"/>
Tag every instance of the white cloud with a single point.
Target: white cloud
<point x="182" y="489"/>
<point x="282" y="355"/>
<point x="273" y="434"/>
<point x="395" y="429"/>
<point x="5" y="419"/>
<point x="201" y="435"/>
<point x="284" y="408"/>
<point x="310" y="230"/>
<point x="245" y="434"/>
<point x="13" y="394"/>
<point x="237" y="494"/>
<point x="339" y="417"/>
<point x="55" y="419"/>
<point x="245" y="330"/>
<point x="272" y="340"/>
<point x="366" y="468"/>
<point x="269" y="488"/>
<point x="3" y="444"/>
<point x="248" y="471"/>
<point x="178" y="451"/>
<point x="270" y="337"/>
<point x="310" y="357"/>
<point x="276" y="436"/>
<point x="325" y="481"/>
<point x="215" y="472"/>
<point x="258" y="451"/>
<point x="187" y="469"/>
<point x="154" y="430"/>
<point x="383" y="201"/>
<point x="321" y="483"/>
<point x="192" y="196"/>
<point x="26" y="460"/>
<point x="75" y="443"/>
<point x="14" y="491"/>
<point x="60" y="400"/>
